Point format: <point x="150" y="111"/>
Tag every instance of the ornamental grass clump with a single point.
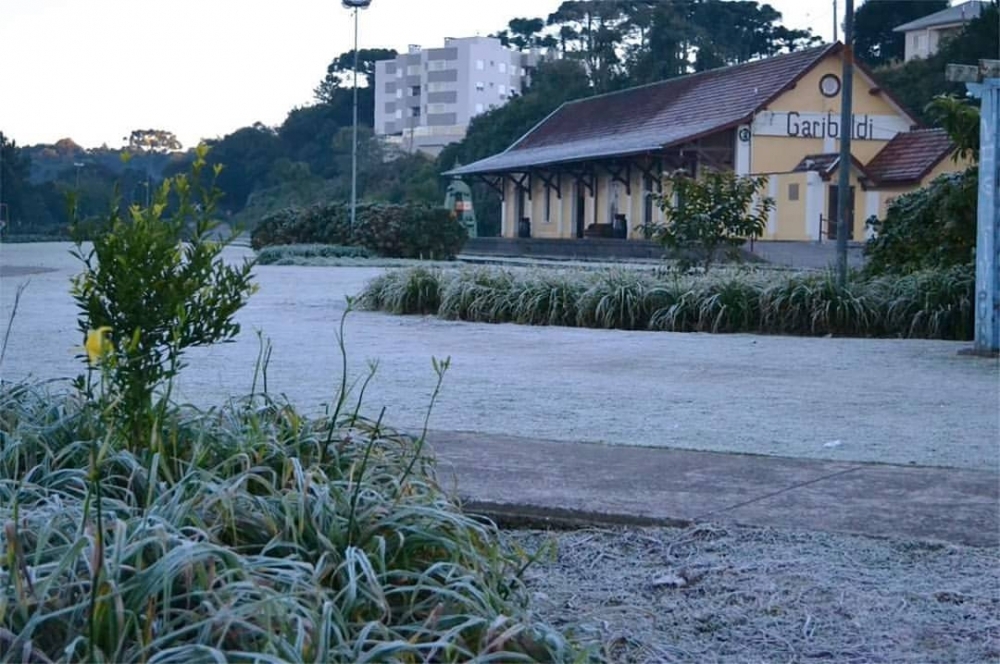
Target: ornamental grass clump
<point x="295" y="254"/>
<point x="416" y="291"/>
<point x="483" y="295"/>
<point x="273" y="537"/>
<point x="935" y="304"/>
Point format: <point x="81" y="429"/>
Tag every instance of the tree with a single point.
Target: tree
<point x="249" y="154"/>
<point x="714" y="213"/>
<point x="340" y="72"/>
<point x="15" y="188"/>
<point x="524" y="32"/>
<point x="153" y="140"/>
<point x="875" y="43"/>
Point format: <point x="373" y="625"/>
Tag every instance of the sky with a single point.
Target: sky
<point x="94" y="70"/>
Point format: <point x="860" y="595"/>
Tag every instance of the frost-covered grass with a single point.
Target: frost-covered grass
<point x="930" y="305"/>
<point x="251" y="533"/>
<point x="732" y="595"/>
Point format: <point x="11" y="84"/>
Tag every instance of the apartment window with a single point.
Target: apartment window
<point x="492" y="63"/>
<point x="399" y="93"/>
<point x="501" y="90"/>
<point x="399" y="73"/>
<point x="440" y="87"/>
<point x="399" y="114"/>
<point x="436" y="65"/>
<point x="415" y="112"/>
<point x="479" y="108"/>
<point x="480" y="86"/>
<point x="435" y="108"/>
<point x="415" y="91"/>
<point x="480" y="65"/>
<point x="503" y="68"/>
<point x="413" y="70"/>
<point x="524" y="72"/>
<point x="793" y="191"/>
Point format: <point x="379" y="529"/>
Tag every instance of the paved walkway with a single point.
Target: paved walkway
<point x="558" y="482"/>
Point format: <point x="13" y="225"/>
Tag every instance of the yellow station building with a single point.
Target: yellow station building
<point x="597" y="160"/>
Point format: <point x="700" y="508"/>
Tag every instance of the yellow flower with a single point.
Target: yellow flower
<point x="97" y="344"/>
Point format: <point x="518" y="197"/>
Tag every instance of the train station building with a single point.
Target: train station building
<point x="594" y="166"/>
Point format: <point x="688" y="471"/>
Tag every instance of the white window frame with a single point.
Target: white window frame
<point x="479" y="108"/>
<point x="501" y="89"/>
<point x="480" y="65"/>
<point x="480" y="86"/>
<point x="502" y="67"/>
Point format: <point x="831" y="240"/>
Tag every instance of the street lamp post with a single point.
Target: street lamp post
<point x="356" y="5"/>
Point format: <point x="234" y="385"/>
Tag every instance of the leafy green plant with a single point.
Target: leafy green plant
<point x="159" y="283"/>
<point x="714" y="213"/>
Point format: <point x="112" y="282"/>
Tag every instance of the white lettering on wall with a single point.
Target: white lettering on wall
<point x="864" y="127"/>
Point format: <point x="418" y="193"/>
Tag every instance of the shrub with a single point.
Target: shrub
<point x="712" y="214"/>
<point x="157" y="295"/>
<point x="395" y="231"/>
<point x="931" y="228"/>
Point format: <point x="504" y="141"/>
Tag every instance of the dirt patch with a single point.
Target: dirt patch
<point x="753" y="595"/>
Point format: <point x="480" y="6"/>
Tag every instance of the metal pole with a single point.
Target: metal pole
<point x="354" y="146"/>
<point x="846" y="130"/>
<point x="835" y="21"/>
<point x="987" y="334"/>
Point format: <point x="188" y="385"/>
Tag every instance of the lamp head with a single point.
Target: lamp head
<point x="356" y="4"/>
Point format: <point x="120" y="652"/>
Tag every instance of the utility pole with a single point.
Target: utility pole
<point x="356" y="5"/>
<point x="984" y="82"/>
<point x="835" y="21"/>
<point x="844" y="214"/>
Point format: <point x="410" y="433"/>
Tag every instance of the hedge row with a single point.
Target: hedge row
<point x="929" y="304"/>
<point x="395" y="231"/>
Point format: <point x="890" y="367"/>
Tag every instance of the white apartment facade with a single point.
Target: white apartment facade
<point x="425" y="98"/>
<point x="924" y="35"/>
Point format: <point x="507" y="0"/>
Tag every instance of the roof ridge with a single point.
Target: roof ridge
<point x="687" y="77"/>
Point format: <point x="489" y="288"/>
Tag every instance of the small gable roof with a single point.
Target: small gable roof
<point x="909" y="156"/>
<point x="654" y="116"/>
<point x="950" y="16"/>
<point x="825" y="164"/>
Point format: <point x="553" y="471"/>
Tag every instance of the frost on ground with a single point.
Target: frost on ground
<point x="709" y="594"/>
<point x="860" y="400"/>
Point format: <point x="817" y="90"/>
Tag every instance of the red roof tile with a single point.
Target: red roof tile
<point x="909" y="156"/>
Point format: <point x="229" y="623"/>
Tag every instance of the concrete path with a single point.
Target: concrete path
<point x="558" y="482"/>
<point x="808" y="255"/>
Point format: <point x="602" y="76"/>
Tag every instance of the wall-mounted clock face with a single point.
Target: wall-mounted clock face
<point x="829" y="85"/>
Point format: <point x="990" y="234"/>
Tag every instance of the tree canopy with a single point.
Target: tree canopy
<point x="875" y="43"/>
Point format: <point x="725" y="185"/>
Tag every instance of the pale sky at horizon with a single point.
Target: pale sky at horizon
<point x="93" y="70"/>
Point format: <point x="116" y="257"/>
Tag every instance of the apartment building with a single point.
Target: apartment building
<point x="924" y="35"/>
<point x="425" y="98"/>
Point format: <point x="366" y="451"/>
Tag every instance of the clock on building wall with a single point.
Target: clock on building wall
<point x="829" y="85"/>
